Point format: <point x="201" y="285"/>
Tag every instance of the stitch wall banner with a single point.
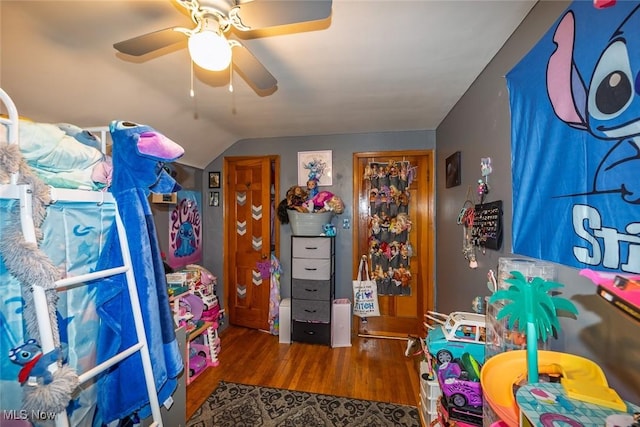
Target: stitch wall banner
<point x="575" y="135"/>
<point x="185" y="230"/>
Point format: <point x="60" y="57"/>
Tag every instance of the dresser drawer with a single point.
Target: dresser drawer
<point x="311" y="289"/>
<point x="312" y="269"/>
<point x="316" y="333"/>
<point x="310" y="310"/>
<point x="309" y="247"/>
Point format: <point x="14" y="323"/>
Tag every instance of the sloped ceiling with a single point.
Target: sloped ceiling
<point x="373" y="66"/>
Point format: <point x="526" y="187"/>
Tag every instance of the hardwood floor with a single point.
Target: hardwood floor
<point x="372" y="368"/>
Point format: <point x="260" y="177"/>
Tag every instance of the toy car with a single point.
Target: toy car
<point x="457" y="386"/>
<point x="198" y="358"/>
<point x="453" y="335"/>
<point x="209" y="300"/>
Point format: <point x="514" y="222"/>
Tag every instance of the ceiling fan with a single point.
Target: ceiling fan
<point x="211" y="49"/>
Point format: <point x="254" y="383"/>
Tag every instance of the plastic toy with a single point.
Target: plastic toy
<point x="198" y="358"/>
<point x="212" y="312"/>
<point x="416" y="348"/>
<point x="504" y="371"/>
<point x="458" y="333"/>
<point x="623" y="292"/>
<point x="183" y="317"/>
<point x="531" y="307"/>
<point x="457" y="388"/>
<point x="209" y="300"/>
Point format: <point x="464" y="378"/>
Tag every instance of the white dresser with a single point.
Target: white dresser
<point x="312" y="288"/>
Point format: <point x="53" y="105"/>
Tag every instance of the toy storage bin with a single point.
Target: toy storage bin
<point x="308" y="224"/>
<point x="429" y="395"/>
<point x="529" y="269"/>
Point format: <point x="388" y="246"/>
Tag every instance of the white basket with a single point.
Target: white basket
<point x="308" y="224"/>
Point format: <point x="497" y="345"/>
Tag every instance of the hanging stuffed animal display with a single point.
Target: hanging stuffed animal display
<point x="389" y="225"/>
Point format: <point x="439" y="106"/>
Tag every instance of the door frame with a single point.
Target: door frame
<point x="228" y="199"/>
<point x="426" y="233"/>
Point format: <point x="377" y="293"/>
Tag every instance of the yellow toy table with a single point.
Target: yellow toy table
<point x="547" y="404"/>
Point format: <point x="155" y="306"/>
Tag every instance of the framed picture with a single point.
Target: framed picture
<point x="214" y="179"/>
<point x="214" y="198"/>
<point x="453" y="170"/>
<point x="315" y="165"/>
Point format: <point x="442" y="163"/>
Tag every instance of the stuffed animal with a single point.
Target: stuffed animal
<point x="329" y="230"/>
<point x="326" y="201"/>
<point x="296" y="199"/>
<point x="34" y="363"/>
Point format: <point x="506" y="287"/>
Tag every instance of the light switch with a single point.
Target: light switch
<point x="346" y="224"/>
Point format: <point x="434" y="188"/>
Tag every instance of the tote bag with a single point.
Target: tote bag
<point x="365" y="293"/>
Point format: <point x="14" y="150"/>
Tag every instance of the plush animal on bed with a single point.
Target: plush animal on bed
<point x="139" y="153"/>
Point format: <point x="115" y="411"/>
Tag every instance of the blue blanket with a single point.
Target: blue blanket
<point x="575" y="148"/>
<point x="138" y="156"/>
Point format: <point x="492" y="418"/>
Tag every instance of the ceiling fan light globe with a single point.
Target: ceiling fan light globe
<point x="210" y="50"/>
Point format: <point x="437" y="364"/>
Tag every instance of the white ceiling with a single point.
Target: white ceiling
<point x="373" y="66"/>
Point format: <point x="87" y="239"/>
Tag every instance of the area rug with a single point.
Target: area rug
<point x="240" y="405"/>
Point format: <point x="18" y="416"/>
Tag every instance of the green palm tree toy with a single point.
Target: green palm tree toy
<point x="532" y="307"/>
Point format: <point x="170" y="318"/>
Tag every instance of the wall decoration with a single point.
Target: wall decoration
<point x="315" y="166"/>
<point x="214" y="198"/>
<point x="575" y="173"/>
<point x="214" y="179"/>
<point x="486" y="231"/>
<point x="185" y="231"/>
<point x="453" y="170"/>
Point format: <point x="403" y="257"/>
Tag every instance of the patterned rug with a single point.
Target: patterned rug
<point x="240" y="405"/>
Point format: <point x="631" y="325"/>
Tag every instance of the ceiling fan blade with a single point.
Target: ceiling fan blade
<point x="146" y="43"/>
<point x="252" y="70"/>
<point x="258" y="14"/>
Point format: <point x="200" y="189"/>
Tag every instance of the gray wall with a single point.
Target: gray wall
<point x="287" y="148"/>
<point x="479" y="126"/>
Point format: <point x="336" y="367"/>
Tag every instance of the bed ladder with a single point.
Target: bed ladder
<point x="39" y="296"/>
<point x="23" y="193"/>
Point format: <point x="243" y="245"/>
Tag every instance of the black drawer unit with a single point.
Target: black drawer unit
<point x="312" y="288"/>
<point x="314" y="333"/>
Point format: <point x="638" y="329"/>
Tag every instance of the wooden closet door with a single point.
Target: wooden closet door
<point x="247" y="248"/>
<point x="402" y="306"/>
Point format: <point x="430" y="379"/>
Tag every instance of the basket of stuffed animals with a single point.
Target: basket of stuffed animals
<point x="308" y="224"/>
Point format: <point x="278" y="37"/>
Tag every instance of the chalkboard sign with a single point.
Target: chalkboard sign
<point x="486" y="231"/>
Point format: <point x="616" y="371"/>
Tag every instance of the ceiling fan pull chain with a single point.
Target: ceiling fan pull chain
<point x="192" y="92"/>
<point x="231" y="77"/>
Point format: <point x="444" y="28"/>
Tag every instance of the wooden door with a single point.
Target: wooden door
<point x="250" y="192"/>
<point x="407" y="290"/>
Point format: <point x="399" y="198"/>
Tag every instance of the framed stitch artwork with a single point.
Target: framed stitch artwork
<point x="315" y="165"/>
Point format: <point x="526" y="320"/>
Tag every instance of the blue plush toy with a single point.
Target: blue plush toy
<point x="34" y="363"/>
<point x="329" y="230"/>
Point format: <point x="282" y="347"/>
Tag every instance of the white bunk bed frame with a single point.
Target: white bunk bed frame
<point x="23" y="193"/>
